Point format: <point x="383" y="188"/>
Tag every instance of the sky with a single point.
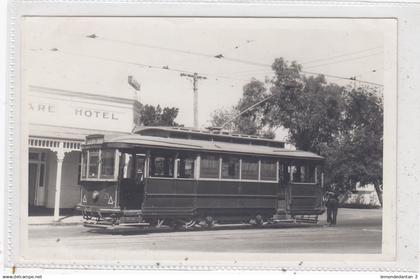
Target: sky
<point x="144" y="47"/>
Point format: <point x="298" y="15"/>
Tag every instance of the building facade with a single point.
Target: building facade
<point x="59" y="121"/>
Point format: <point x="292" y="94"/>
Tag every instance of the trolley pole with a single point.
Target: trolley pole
<point x="195" y="77"/>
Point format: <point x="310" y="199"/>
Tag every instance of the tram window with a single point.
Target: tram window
<point x="309" y="173"/>
<point x="209" y="166"/>
<point x="268" y="170"/>
<point x="127" y="171"/>
<point x="283" y="175"/>
<point x="230" y="168"/>
<point x="186" y="167"/>
<point x="93" y="163"/>
<point x="162" y="166"/>
<point x="292" y="170"/>
<point x="107" y="163"/>
<point x="304" y="173"/>
<point x="84" y="162"/>
<point x="139" y="167"/>
<point x="318" y="171"/>
<point x="249" y="169"/>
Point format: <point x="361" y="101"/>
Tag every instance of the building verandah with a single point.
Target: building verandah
<point x="58" y="122"/>
<point x="48" y="185"/>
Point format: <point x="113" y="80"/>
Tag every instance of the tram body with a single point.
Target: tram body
<point x="179" y="176"/>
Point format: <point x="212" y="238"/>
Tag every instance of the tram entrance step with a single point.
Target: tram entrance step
<point x="131" y="212"/>
<point x="313" y="219"/>
<point x="281" y="216"/>
<point x="131" y="219"/>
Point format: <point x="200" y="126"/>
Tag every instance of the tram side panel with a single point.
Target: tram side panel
<point x="216" y="198"/>
<point x="168" y="198"/>
<point x="304" y="199"/>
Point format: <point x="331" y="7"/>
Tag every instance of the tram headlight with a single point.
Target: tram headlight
<point x="95" y="196"/>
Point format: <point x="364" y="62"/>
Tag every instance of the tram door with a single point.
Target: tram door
<point x="282" y="191"/>
<point x="132" y="180"/>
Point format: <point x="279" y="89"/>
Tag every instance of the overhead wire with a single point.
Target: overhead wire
<point x="236" y="47"/>
<point x="94" y="36"/>
<point x="143" y="65"/>
<point x="333" y="57"/>
<point x="350" y="53"/>
<point x="343" y="60"/>
<point x="339" y="77"/>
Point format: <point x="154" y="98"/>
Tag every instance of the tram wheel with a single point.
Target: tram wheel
<point x="270" y="221"/>
<point x="189" y="224"/>
<point x="210" y="222"/>
<point x="157" y="223"/>
<point x="115" y="220"/>
<point x="180" y="224"/>
<point x="260" y="220"/>
<point x="173" y="224"/>
<point x="257" y="221"/>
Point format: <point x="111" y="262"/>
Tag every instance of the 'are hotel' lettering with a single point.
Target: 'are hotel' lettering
<point x="89" y="113"/>
<point x="95" y="114"/>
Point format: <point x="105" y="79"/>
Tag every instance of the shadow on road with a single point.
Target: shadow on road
<point x="136" y="230"/>
<point x="347" y="219"/>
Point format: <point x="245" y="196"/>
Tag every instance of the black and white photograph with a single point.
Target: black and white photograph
<point x="230" y="136"/>
<point x="183" y="137"/>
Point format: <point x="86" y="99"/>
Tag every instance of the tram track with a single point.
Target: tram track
<point x="357" y="232"/>
<point x="176" y="240"/>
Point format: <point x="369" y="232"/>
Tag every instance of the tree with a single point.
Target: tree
<point x="250" y="123"/>
<point x="221" y="116"/>
<point x="156" y="116"/>
<point x="345" y="125"/>
<point x="362" y="137"/>
<point x="309" y="107"/>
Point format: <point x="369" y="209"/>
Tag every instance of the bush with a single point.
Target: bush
<point x="359" y="206"/>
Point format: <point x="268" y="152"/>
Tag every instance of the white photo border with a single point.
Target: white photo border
<point x="405" y="220"/>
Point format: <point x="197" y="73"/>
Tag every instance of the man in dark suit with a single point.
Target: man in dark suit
<point x="332" y="206"/>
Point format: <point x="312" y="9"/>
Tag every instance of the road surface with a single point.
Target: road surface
<point x="357" y="231"/>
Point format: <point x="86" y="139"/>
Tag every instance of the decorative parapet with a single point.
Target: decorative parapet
<point x="55" y="144"/>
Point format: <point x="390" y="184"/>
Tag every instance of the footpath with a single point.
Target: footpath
<point x="49" y="220"/>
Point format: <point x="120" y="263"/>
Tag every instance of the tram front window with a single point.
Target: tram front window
<point x="93" y="159"/>
<point x="83" y="164"/>
<point x="98" y="164"/>
<point x="107" y="163"/>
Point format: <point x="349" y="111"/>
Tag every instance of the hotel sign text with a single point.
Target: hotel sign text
<point x="78" y="112"/>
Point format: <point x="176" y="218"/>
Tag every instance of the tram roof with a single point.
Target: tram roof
<point x="203" y="145"/>
<point x="205" y="134"/>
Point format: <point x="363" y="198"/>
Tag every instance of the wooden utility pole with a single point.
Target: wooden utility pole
<point x="194" y="78"/>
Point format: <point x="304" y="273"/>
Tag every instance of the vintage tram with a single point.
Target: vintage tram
<point x="185" y="177"/>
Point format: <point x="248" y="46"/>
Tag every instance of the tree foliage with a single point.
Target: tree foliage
<point x="356" y="154"/>
<point x="250" y="123"/>
<point x="158" y="116"/>
<point x="343" y="124"/>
